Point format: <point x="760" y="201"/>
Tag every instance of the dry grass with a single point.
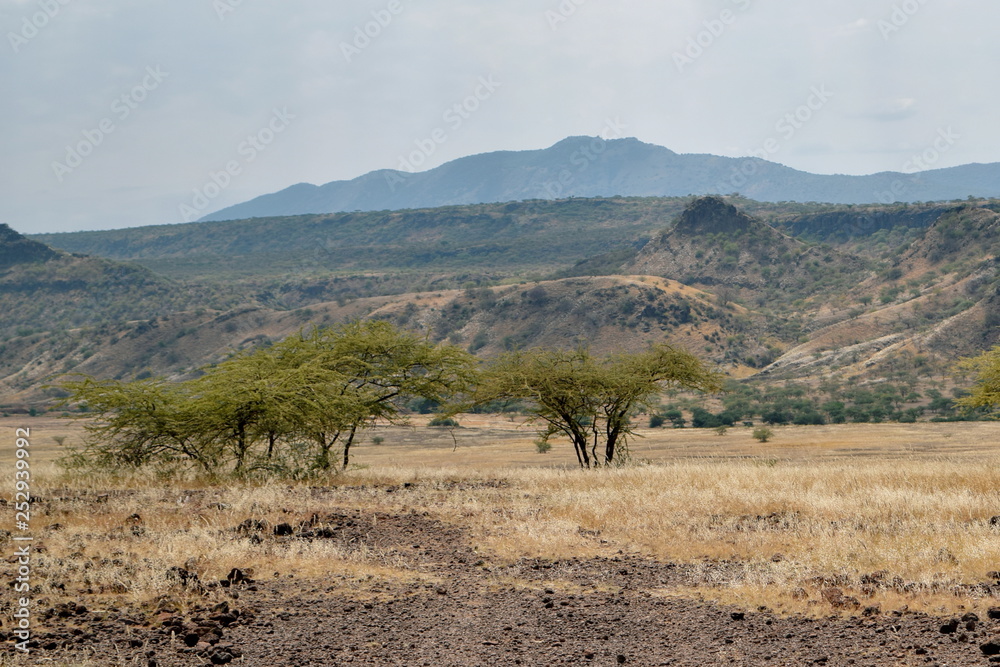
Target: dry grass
<point x="893" y="515"/>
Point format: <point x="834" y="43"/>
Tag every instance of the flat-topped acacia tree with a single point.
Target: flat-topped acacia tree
<point x="318" y="388"/>
<point x="589" y="399"/>
<point x="361" y="370"/>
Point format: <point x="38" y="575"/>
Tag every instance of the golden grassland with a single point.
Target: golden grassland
<point x="895" y="515"/>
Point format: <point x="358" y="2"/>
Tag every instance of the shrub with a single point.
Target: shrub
<point x="702" y="418"/>
<point x="809" y="418"/>
<point x="656" y="421"/>
<point x="542" y="446"/>
<point x="721" y="430"/>
<point x="443" y="421"/>
<point x="775" y="416"/>
<point x="762" y="434"/>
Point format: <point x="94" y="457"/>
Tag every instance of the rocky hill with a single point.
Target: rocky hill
<point x="16" y="249"/>
<point x="713" y="244"/>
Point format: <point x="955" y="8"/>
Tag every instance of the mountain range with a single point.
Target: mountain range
<point x="597" y="167"/>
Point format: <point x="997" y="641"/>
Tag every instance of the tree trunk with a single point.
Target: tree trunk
<point x="323" y="458"/>
<point x="241" y="446"/>
<point x="347" y="444"/>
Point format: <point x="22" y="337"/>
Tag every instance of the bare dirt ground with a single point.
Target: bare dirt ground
<point x="434" y="590"/>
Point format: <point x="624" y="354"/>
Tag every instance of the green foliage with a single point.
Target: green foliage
<point x="589" y="399"/>
<point x="829" y="402"/>
<point x="442" y="420"/>
<point x="762" y="434"/>
<point x="986" y="391"/>
<point x="310" y="393"/>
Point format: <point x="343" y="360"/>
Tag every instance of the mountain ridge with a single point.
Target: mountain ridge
<point x="582" y="166"/>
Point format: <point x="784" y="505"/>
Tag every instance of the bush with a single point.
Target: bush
<point x="721" y="430"/>
<point x="702" y="418"/>
<point x="543" y="446"/>
<point x="775" y="416"/>
<point x="443" y="421"/>
<point x="763" y="434"/>
<point x="809" y="418"/>
<point x="656" y="421"/>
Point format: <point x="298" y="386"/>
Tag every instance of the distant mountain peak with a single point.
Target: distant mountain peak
<point x="582" y="166"/>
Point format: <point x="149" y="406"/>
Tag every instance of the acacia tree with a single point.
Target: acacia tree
<point x="138" y="423"/>
<point x="321" y="387"/>
<point x="589" y="399"/>
<point x="252" y="399"/>
<point x="986" y="392"/>
<point x="363" y="369"/>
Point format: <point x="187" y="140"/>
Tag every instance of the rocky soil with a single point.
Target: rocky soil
<point x="459" y="609"/>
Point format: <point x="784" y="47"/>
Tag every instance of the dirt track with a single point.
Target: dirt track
<point x="463" y="610"/>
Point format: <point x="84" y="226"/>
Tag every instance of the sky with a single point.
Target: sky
<point x="122" y="113"/>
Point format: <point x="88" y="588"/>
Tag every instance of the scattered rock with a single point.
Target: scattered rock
<point x="221" y="657"/>
<point x="836" y="598"/>
<point x="238" y="576"/>
<point x="949" y="627"/>
<point x="182" y="576"/>
<point x="249" y="526"/>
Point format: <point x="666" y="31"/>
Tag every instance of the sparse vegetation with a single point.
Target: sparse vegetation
<point x="819" y="512"/>
<point x="588" y="399"/>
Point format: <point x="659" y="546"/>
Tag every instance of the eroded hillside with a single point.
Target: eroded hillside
<point x="729" y="283"/>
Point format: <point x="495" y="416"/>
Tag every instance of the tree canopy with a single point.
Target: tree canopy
<point x="588" y="399"/>
<point x="292" y="407"/>
<point x="986" y="391"/>
<point x="260" y="409"/>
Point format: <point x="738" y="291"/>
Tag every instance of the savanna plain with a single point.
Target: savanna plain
<point x="855" y="544"/>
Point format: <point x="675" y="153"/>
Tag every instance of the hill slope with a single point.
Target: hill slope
<point x="727" y="282"/>
<point x="712" y="243"/>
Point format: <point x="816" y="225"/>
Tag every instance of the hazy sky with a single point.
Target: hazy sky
<point x="125" y="113"/>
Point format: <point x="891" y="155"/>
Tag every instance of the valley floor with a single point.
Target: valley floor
<point x="835" y="545"/>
